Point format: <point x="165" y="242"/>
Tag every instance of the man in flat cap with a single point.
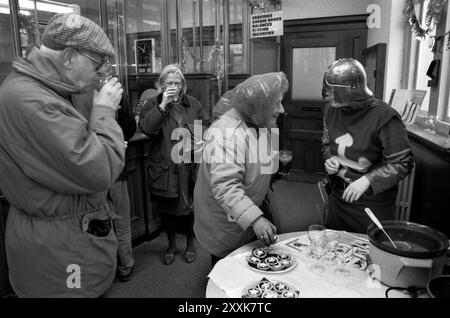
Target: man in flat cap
<point x="56" y="165"/>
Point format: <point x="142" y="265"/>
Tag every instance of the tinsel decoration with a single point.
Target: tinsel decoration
<point x="416" y="28"/>
<point x="216" y="54"/>
<point x="187" y="52"/>
<point x="434" y="13"/>
<point x="29" y="34"/>
<point x="255" y="4"/>
<point x="448" y="42"/>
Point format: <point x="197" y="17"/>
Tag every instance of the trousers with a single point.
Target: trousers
<point x="122" y="225"/>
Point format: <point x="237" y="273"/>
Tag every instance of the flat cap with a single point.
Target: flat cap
<point x="72" y="30"/>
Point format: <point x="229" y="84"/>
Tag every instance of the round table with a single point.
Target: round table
<point x="213" y="291"/>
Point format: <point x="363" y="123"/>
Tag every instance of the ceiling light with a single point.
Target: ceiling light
<point x="48" y="6"/>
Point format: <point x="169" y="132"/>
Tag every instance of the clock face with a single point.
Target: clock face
<point x="144" y="51"/>
<point x="145" y="55"/>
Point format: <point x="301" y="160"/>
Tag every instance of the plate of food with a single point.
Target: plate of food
<point x="270" y="260"/>
<point x="266" y="288"/>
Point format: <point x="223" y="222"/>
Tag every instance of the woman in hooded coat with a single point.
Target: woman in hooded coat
<point x="233" y="179"/>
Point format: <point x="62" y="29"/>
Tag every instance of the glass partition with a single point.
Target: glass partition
<point x="193" y="30"/>
<point x="209" y="34"/>
<point x="190" y="39"/>
<point x="143" y="23"/>
<point x="115" y="29"/>
<point x="201" y="35"/>
<point x="236" y="48"/>
<point x="6" y="40"/>
<point x="174" y="46"/>
<point x="34" y="15"/>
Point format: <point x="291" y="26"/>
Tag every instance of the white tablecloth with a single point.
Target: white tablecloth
<point x="232" y="275"/>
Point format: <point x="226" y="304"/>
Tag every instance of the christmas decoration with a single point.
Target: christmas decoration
<point x="416" y="28"/>
<point x="187" y="52"/>
<point x="434" y="13"/>
<point x="29" y="34"/>
<point x="216" y="54"/>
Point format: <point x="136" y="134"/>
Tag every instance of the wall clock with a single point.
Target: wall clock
<point x="144" y="55"/>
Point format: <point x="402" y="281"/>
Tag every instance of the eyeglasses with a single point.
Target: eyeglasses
<point x="101" y="64"/>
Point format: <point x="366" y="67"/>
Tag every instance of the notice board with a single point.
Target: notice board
<point x="266" y="24"/>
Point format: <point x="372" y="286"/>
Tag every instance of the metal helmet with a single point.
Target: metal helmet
<point x="345" y="82"/>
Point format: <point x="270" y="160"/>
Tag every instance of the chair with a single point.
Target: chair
<point x="404" y="196"/>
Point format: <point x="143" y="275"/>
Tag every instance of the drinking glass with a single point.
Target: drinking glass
<point x="105" y="74"/>
<point x="285" y="159"/>
<point x="341" y="255"/>
<point x="316" y="235"/>
<point x="431" y="124"/>
<point x="447" y="142"/>
<point x="175" y="98"/>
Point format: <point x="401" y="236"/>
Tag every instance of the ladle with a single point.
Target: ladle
<point x="378" y="224"/>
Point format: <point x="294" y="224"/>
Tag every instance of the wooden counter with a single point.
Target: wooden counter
<point x="144" y="218"/>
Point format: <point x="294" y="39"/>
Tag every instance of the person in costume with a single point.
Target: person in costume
<point x="365" y="148"/>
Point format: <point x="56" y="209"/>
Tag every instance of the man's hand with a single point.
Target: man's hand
<point x="110" y="94"/>
<point x="332" y="165"/>
<point x="265" y="231"/>
<point x="354" y="191"/>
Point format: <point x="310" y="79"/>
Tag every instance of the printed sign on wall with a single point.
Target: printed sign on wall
<point x="266" y="24"/>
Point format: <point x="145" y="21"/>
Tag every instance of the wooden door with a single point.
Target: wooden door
<point x="308" y="48"/>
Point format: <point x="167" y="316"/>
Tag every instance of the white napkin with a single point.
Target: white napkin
<point x="231" y="275"/>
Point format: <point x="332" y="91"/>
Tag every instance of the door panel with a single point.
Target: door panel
<point x="308" y="63"/>
<point x="309" y="47"/>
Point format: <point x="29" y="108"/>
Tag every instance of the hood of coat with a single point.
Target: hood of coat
<point x="255" y="99"/>
<point x="40" y="67"/>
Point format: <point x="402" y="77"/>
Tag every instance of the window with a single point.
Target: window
<point x="421" y="55"/>
<point x="194" y="30"/>
<point x="6" y="41"/>
<point x="199" y="33"/>
<point x="43" y="10"/>
<point x="143" y="23"/>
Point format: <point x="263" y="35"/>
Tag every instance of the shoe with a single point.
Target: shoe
<point x="125" y="278"/>
<point x="168" y="258"/>
<point x="190" y="256"/>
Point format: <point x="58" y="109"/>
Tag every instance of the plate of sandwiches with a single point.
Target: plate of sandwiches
<point x="270" y="260"/>
<point x="266" y="288"/>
